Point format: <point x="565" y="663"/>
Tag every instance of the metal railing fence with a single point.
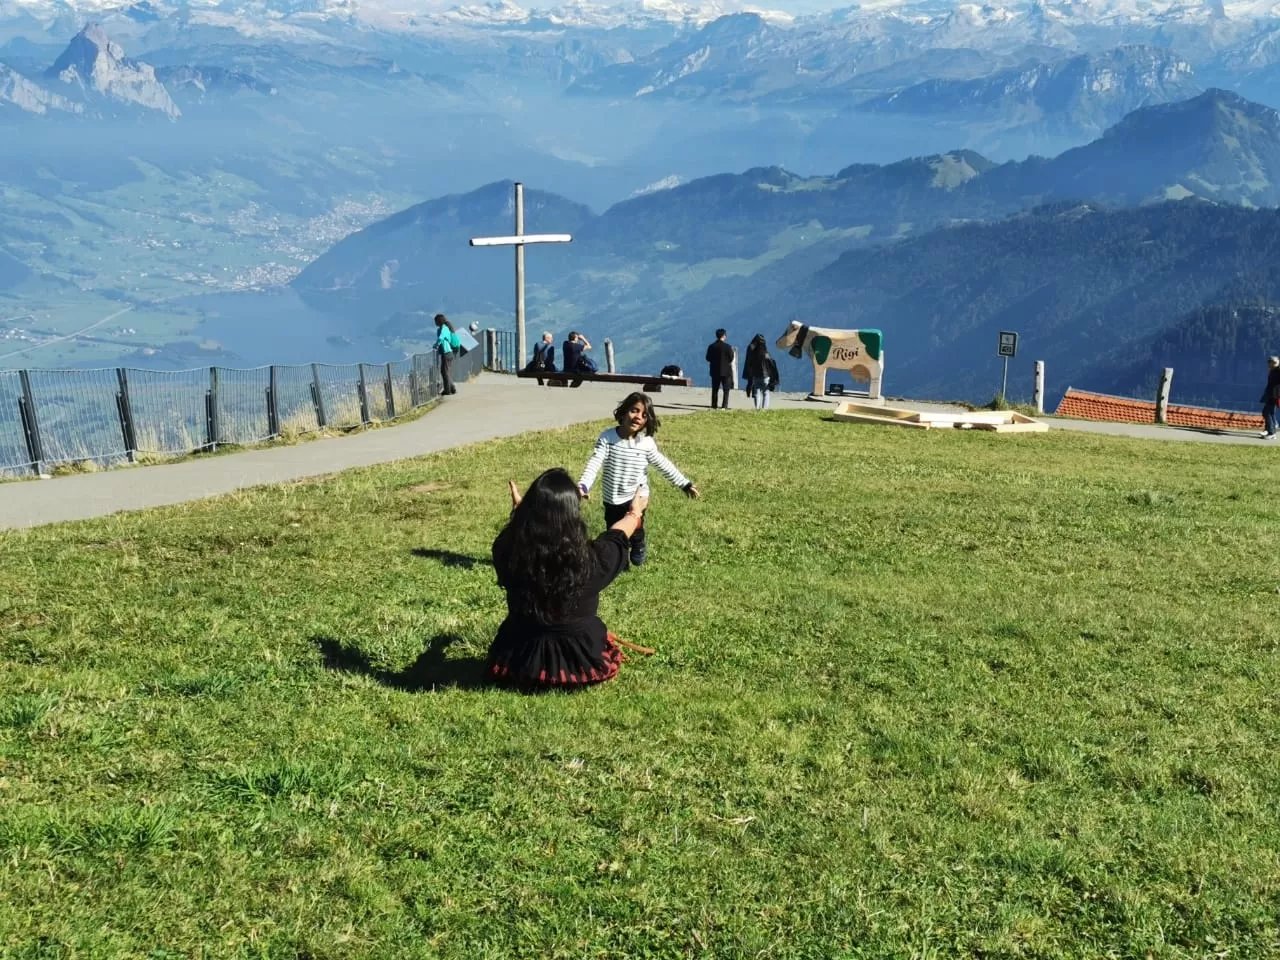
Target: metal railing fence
<point x="500" y="349"/>
<point x="114" y="415"/>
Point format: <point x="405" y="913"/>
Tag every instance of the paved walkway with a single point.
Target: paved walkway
<point x="489" y="407"/>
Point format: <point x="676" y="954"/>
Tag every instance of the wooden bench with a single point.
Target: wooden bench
<point x="652" y="384"/>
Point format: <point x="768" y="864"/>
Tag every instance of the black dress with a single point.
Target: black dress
<point x="573" y="653"/>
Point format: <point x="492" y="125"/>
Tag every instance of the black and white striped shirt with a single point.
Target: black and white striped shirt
<point x="626" y="466"/>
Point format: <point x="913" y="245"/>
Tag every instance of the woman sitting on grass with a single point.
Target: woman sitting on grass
<point x="553" y="575"/>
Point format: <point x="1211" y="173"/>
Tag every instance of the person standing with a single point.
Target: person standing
<point x="447" y="344"/>
<point x="625" y="454"/>
<point x="1270" y="398"/>
<point x="760" y="372"/>
<point x="720" y="357"/>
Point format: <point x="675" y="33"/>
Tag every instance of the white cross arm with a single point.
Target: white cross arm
<point x="521" y="239"/>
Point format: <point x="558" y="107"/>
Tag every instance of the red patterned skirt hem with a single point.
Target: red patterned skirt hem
<point x="566" y="679"/>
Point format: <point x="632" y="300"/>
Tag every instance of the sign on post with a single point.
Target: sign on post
<point x="1007" y="348"/>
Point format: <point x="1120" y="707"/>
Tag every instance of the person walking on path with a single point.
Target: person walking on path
<point x="720" y="362"/>
<point x="1270" y="398"/>
<point x="553" y="636"/>
<point x="625" y="454"/>
<point x="447" y="344"/>
<point x="760" y="372"/>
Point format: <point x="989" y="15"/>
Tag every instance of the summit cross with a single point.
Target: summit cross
<point x="519" y="241"/>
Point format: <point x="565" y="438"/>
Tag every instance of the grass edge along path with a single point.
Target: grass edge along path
<point x="917" y="694"/>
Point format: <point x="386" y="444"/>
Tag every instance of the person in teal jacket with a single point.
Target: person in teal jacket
<point x="447" y="344"/>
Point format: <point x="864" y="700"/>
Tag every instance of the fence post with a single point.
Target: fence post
<point x="211" y="411"/>
<point x="491" y="349"/>
<point x="1039" y="397"/>
<point x="127" y="429"/>
<point x="364" y="398"/>
<point x="391" y="395"/>
<point x="608" y="356"/>
<point x="30" y="424"/>
<point x="317" y="398"/>
<point x="1162" y="396"/>
<point x="413" y="381"/>
<point x="273" y="404"/>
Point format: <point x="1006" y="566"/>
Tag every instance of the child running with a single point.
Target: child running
<point x="626" y="452"/>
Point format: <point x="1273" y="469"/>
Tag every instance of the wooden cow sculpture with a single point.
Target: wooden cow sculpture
<point x="860" y="352"/>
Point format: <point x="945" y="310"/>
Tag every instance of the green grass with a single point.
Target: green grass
<point x="679" y="280"/>
<point x="927" y="694"/>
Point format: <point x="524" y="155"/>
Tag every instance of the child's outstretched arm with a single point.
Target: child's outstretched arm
<point x="669" y="470"/>
<point x="594" y="463"/>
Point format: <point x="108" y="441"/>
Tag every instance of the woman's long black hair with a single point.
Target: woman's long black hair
<point x="442" y="321"/>
<point x="548" y="559"/>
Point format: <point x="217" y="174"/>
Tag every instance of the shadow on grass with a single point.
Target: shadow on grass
<point x="433" y="670"/>
<point x="450" y="559"/>
<point x="1238" y="433"/>
<point x="661" y="404"/>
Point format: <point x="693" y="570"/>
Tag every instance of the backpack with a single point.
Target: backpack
<point x="454" y="342"/>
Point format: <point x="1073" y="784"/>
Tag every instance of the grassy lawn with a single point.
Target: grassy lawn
<point x="924" y="694"/>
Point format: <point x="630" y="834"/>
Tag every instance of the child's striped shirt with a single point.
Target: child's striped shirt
<point x="626" y="463"/>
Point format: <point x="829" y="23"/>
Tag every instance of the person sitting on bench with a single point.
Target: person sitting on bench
<point x="544" y="354"/>
<point x="575" y="354"/>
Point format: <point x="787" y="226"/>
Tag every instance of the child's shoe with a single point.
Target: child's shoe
<point x="638" y="555"/>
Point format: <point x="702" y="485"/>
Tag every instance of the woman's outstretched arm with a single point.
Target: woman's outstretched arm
<point x="631" y="521"/>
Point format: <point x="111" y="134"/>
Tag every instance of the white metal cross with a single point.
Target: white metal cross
<point x="519" y="241"/>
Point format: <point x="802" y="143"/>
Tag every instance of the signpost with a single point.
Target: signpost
<point x="1008" y="348"/>
<point x="518" y="241"/>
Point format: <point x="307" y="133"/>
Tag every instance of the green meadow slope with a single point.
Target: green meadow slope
<point x="915" y="695"/>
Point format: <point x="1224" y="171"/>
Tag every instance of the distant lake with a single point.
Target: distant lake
<point x="279" y="327"/>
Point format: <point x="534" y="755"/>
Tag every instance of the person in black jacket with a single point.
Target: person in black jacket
<point x="1270" y="398"/>
<point x="553" y="576"/>
<point x="760" y="372"/>
<point x="720" y="356"/>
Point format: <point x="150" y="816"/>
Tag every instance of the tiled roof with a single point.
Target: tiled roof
<point x="1101" y="406"/>
<point x="1208" y="418"/>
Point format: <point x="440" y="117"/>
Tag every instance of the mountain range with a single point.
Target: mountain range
<point x="718" y="51"/>
<point x="1085" y="287"/>
<point x="95" y="66"/>
<point x="938" y="251"/>
<point x="168" y="155"/>
<point x="1088" y="92"/>
<point x="1216" y="146"/>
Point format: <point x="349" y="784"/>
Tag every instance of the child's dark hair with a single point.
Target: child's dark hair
<point x="651" y="422"/>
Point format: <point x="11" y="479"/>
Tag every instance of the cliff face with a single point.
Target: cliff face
<point x="96" y="65"/>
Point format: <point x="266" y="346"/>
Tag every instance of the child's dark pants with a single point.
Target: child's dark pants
<point x="613" y="512"/>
